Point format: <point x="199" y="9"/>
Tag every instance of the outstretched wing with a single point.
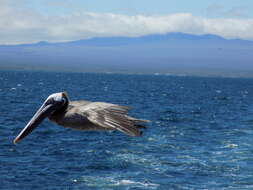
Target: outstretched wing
<point x="111" y="116"/>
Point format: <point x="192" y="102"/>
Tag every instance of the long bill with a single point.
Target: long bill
<point x="39" y="116"/>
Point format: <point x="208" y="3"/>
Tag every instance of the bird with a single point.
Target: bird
<point x="84" y="115"/>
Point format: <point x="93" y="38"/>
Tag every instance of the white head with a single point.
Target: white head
<point x="58" y="97"/>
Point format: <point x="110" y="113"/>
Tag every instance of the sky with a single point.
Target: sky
<point x="31" y="21"/>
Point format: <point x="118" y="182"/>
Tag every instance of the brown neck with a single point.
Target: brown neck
<point x="62" y="109"/>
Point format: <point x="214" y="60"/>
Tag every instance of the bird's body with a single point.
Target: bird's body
<point x="84" y="115"/>
<point x="72" y="117"/>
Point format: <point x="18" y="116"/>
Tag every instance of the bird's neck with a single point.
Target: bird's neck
<point x="61" y="110"/>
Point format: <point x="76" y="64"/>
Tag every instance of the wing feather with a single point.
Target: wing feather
<point x="111" y="116"/>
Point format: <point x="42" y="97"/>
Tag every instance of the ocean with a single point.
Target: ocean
<point x="200" y="135"/>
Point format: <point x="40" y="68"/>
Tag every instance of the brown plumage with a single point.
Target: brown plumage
<point x="84" y="115"/>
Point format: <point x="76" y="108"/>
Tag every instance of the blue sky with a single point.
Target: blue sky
<point x="209" y="8"/>
<point x="30" y="21"/>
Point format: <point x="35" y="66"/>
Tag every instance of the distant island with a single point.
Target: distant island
<point x="170" y="54"/>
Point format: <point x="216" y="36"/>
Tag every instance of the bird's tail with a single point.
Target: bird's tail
<point x="138" y="120"/>
<point x="138" y="123"/>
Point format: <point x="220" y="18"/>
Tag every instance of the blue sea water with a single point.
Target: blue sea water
<point x="200" y="137"/>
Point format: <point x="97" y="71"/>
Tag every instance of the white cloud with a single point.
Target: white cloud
<point x="27" y="26"/>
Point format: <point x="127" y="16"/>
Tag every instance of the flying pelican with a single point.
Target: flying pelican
<point x="83" y="115"/>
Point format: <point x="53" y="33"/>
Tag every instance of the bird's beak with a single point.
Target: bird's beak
<point x="44" y="111"/>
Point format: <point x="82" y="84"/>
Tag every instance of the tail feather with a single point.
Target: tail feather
<point x="138" y="120"/>
<point x="138" y="126"/>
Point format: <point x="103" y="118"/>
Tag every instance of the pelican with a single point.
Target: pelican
<point x="83" y="115"/>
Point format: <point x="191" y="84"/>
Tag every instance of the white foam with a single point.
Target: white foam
<point x="111" y="181"/>
<point x="136" y="183"/>
<point x="231" y="146"/>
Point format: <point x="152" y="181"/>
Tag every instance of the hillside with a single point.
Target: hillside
<point x="173" y="53"/>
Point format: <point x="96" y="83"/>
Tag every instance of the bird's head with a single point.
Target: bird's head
<point x="52" y="104"/>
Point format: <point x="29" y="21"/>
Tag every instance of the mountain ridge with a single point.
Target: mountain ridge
<point x="167" y="53"/>
<point x="141" y="39"/>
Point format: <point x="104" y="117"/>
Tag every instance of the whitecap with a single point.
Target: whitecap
<point x="231" y="146"/>
<point x="136" y="183"/>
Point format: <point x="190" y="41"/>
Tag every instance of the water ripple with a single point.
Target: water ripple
<point x="200" y="137"/>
